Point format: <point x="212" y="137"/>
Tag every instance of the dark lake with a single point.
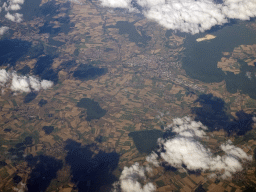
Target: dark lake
<point x="201" y="58"/>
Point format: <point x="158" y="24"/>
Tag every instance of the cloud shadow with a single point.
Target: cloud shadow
<point x="213" y="114"/>
<point x="91" y="172"/>
<point x="43" y="173"/>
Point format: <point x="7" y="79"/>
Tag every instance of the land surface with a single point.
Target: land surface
<point x="138" y="85"/>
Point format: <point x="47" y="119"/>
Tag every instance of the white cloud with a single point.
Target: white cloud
<point x="13" y="5"/>
<point x="10" y="17"/>
<point x="232" y="150"/>
<point x="187" y="127"/>
<point x="16" y="17"/>
<point x="5" y="6"/>
<point x="191" y="16"/>
<point x="118" y="3"/>
<point x="239" y="9"/>
<point x="179" y="151"/>
<point x="4" y="76"/>
<point x="45" y="84"/>
<point x="152" y="158"/>
<point x="76" y="1"/>
<point x="185" y="149"/>
<point x="22" y="83"/>
<point x="16" y="1"/>
<point x="34" y="83"/>
<point x="128" y="181"/>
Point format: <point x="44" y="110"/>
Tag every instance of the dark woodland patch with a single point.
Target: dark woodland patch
<point x="48" y="129"/>
<point x="67" y="65"/>
<point x="86" y="72"/>
<point x="93" y="109"/>
<point x="28" y="140"/>
<point x="146" y="141"/>
<point x="17" y="151"/>
<point x="200" y="189"/>
<point x="7" y="130"/>
<point x="42" y="102"/>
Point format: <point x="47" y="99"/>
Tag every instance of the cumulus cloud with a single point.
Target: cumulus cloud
<point x="187" y="127"/>
<point x="45" y="84"/>
<point x="153" y="158"/>
<point x="191" y="16"/>
<point x="16" y="17"/>
<point x="34" y="83"/>
<point x="128" y="181"/>
<point x="22" y="83"/>
<point x="4" y="76"/>
<point x="179" y="151"/>
<point x="185" y="149"/>
<point x="13" y="5"/>
<point x="16" y="1"/>
<point x="232" y="150"/>
<point x="118" y="3"/>
<point x="4" y="6"/>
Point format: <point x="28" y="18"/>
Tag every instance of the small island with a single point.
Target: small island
<point x="207" y="37"/>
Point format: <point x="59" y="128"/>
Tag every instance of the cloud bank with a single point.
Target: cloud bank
<point x="128" y="181"/>
<point x="190" y="16"/>
<point x="185" y="149"/>
<point x="22" y="83"/>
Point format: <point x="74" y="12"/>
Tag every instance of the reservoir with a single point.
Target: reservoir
<point x="201" y="58"/>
